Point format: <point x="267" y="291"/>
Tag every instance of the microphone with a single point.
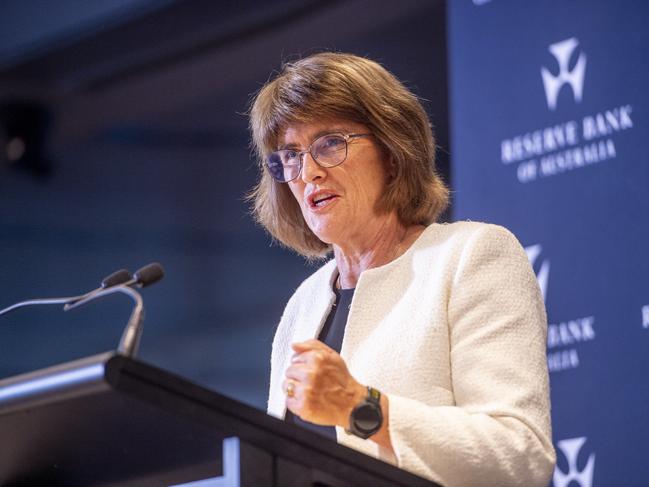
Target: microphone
<point x="149" y="274"/>
<point x="143" y="277"/>
<point x="116" y="278"/>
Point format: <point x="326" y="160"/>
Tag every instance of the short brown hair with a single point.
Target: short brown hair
<point x="345" y="87"/>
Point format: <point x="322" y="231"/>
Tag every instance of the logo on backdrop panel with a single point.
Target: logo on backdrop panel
<point x="584" y="477"/>
<point x="565" y="338"/>
<point x="570" y="144"/>
<point x="573" y="78"/>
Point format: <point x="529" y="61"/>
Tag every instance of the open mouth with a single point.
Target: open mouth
<point x="321" y="199"/>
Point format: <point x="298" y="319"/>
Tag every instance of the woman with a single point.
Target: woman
<point x="421" y="344"/>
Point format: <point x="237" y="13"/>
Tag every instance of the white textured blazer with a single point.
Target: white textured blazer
<point x="454" y="333"/>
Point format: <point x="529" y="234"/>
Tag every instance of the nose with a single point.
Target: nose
<point x="311" y="170"/>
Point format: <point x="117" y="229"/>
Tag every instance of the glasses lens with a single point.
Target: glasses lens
<point x="284" y="165"/>
<point x="329" y="150"/>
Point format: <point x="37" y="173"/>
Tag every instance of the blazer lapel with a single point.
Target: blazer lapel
<point x="314" y="313"/>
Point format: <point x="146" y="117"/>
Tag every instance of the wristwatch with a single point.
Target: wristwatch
<point x="366" y="418"/>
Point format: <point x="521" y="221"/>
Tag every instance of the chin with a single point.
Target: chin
<point x="324" y="233"/>
<point x="324" y="238"/>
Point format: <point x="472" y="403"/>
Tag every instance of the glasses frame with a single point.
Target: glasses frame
<point x="302" y="153"/>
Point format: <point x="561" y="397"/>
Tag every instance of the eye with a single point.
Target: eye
<point x="290" y="156"/>
<point x="331" y="142"/>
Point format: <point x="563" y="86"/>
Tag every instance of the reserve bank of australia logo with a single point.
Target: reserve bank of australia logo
<point x="562" y="51"/>
<point x="574" y="476"/>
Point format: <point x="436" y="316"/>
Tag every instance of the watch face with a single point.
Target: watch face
<point x="367" y="417"/>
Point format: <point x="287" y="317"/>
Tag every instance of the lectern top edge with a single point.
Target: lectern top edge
<point x="54" y="383"/>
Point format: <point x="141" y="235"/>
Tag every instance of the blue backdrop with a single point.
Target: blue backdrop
<point x="549" y="128"/>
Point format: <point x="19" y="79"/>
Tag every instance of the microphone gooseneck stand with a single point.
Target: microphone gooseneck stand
<point x="118" y="277"/>
<point x="118" y="282"/>
<point x="130" y="341"/>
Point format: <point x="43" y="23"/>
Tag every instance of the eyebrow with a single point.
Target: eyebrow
<point x="331" y="130"/>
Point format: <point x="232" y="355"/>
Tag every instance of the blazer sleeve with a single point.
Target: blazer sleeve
<point x="498" y="432"/>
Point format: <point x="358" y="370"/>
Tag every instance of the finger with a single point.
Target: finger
<point x="312" y="344"/>
<point x="293" y="405"/>
<point x="312" y="358"/>
<point x="288" y="381"/>
<point x="309" y="357"/>
<point x="299" y="358"/>
<point x="290" y="388"/>
<point x="297" y="372"/>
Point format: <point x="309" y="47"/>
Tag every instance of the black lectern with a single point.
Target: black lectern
<point x="115" y="421"/>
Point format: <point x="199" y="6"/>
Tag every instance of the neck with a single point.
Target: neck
<point x="381" y="246"/>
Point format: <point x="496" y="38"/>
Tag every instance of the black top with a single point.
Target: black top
<point x="331" y="335"/>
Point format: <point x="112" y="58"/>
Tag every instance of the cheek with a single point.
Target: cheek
<point x="297" y="190"/>
<point x="369" y="192"/>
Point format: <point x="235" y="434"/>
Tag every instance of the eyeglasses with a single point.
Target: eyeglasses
<point x="327" y="150"/>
